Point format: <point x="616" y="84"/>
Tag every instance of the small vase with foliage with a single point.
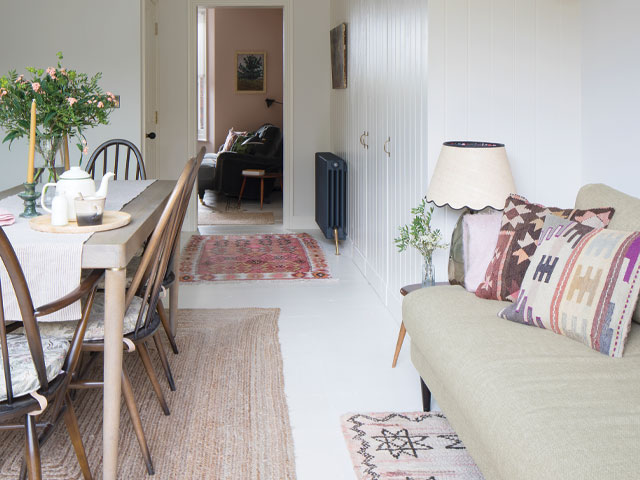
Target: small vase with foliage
<point x="422" y="237"/>
<point x="67" y="103"/>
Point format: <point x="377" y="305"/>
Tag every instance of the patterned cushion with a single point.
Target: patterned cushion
<point x="24" y="379"/>
<point x="95" y="327"/>
<point x="582" y="283"/>
<point x="521" y="226"/>
<point x="231" y="139"/>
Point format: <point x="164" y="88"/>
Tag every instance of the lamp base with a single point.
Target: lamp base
<point x="29" y="196"/>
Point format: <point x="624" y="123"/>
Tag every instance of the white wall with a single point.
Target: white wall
<point x="94" y="36"/>
<point x="311" y="82"/>
<point x="611" y="93"/>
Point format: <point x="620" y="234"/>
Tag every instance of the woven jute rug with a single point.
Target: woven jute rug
<point x="212" y="216"/>
<point x="406" y="446"/>
<point x="229" y="418"/>
<point x="209" y="258"/>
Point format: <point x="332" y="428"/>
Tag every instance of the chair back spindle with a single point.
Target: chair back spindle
<point x="121" y="169"/>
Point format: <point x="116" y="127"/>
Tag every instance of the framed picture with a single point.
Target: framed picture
<point x="251" y="72"/>
<point x="339" y="56"/>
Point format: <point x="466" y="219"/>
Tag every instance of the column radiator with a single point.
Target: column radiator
<point x="331" y="195"/>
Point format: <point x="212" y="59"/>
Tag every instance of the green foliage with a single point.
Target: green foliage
<point x="419" y="234"/>
<point x="67" y="103"/>
<point x="251" y="67"/>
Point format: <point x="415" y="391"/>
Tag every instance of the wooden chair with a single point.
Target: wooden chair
<point x="141" y="320"/>
<point x="37" y="370"/>
<point x="176" y="228"/>
<point x="121" y="164"/>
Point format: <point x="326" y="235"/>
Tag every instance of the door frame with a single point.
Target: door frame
<point x="287" y="87"/>
<point x="152" y="170"/>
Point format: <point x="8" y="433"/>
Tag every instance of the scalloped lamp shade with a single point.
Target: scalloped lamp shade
<point x="471" y="174"/>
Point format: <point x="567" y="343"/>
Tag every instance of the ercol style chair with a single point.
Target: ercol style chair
<point x="37" y="369"/>
<point x="141" y="320"/>
<point x="126" y="160"/>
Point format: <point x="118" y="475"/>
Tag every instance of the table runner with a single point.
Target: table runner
<point x="52" y="262"/>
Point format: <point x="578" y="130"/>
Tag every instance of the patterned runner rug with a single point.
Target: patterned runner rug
<point x="229" y="418"/>
<point x="406" y="446"/>
<point x="209" y="258"/>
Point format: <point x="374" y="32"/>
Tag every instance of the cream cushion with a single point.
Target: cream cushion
<point x="95" y="326"/>
<point x="527" y="403"/>
<point x="24" y="378"/>
<point x="627" y="216"/>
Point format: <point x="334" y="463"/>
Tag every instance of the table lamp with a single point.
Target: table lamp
<point x="471" y="175"/>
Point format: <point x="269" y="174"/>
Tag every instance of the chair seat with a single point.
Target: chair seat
<point x="24" y="378"/>
<point x="95" y="325"/>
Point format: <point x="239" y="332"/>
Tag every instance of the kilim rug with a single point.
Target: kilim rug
<point x="211" y="216"/>
<point x="209" y="258"/>
<point x="229" y="417"/>
<point x="406" y="446"/>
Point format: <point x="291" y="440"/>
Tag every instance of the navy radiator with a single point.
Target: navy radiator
<point x="331" y="195"/>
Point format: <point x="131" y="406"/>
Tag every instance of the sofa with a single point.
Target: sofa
<point x="530" y="404"/>
<point x="222" y="172"/>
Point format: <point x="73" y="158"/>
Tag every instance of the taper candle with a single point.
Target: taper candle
<point x="32" y="142"/>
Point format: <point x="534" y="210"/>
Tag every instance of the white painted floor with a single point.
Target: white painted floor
<point x="337" y="343"/>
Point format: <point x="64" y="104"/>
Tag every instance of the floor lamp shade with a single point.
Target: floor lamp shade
<point x="471" y="174"/>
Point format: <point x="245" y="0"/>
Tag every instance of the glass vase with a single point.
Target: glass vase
<point x="48" y="148"/>
<point x="428" y="273"/>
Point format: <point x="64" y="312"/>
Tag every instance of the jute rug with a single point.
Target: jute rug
<point x="209" y="258"/>
<point x="406" y="446"/>
<point x="211" y="216"/>
<point x="229" y="418"/>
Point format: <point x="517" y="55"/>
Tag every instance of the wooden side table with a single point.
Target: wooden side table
<point x="405" y="291"/>
<point x="277" y="176"/>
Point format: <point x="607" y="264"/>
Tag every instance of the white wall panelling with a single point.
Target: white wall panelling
<point x="496" y="70"/>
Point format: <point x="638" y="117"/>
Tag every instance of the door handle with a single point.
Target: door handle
<point x="385" y="147"/>
<point x="151" y="135"/>
<point x="364" y="134"/>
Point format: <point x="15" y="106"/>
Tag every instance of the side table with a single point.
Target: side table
<point x="407" y="289"/>
<point x="246" y="174"/>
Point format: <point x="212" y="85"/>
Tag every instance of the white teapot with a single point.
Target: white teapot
<point x="74" y="182"/>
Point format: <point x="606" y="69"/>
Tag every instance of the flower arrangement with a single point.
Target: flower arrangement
<point x="419" y="233"/>
<point x="67" y="103"/>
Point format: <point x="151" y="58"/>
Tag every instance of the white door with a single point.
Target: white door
<point x="149" y="79"/>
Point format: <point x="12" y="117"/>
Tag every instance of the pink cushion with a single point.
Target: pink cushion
<point x="479" y="240"/>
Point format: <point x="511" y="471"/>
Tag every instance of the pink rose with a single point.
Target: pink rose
<point x="71" y="101"/>
<point x="63" y="71"/>
<point x="35" y="86"/>
<point x="85" y="150"/>
<point x="100" y="104"/>
<point x="51" y="72"/>
<point x="3" y="92"/>
<point x="20" y="78"/>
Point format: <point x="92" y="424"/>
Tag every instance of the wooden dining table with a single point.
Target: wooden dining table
<point x="112" y="251"/>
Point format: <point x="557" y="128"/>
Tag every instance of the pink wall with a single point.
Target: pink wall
<point x="244" y="29"/>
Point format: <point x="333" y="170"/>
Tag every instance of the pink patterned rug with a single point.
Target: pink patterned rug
<point x="406" y="446"/>
<point x="210" y="258"/>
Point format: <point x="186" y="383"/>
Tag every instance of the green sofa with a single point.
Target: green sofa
<point x="530" y="404"/>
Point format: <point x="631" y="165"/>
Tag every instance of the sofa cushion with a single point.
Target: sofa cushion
<point x="480" y="236"/>
<point x="627" y="215"/>
<point x="521" y="225"/>
<point x="527" y="403"/>
<point x="582" y="283"/>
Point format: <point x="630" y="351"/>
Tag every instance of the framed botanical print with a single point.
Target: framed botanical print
<point x="251" y="72"/>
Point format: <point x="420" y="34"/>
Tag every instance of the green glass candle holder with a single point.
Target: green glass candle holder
<point x="29" y="196"/>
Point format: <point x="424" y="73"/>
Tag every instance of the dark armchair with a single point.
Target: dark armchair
<point x="224" y="173"/>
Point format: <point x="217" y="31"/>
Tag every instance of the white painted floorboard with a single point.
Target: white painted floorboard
<point x="337" y="343"/>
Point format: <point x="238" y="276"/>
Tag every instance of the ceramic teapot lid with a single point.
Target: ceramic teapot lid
<point x="75" y="173"/>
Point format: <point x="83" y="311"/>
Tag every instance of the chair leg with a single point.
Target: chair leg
<point x="164" y="361"/>
<point x="71" y="421"/>
<point x="32" y="448"/>
<point x="141" y="348"/>
<point x="130" y="401"/>
<point x="167" y="327"/>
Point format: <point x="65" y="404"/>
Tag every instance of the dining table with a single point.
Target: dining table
<point x="112" y="250"/>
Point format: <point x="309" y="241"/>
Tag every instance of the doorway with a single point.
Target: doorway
<point x="239" y="93"/>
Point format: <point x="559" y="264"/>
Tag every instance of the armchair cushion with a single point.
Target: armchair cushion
<point x="24" y="378"/>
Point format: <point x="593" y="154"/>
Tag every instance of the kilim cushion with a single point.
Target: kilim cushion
<point x="582" y="283"/>
<point x="521" y="226"/>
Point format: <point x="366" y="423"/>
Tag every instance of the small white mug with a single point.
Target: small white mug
<point x="59" y="210"/>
